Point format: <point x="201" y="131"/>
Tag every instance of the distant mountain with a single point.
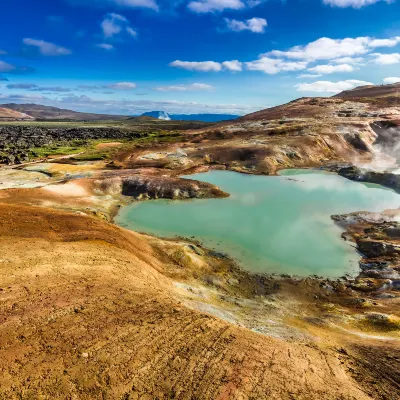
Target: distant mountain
<point x="190" y="117"/>
<point x="41" y="112"/>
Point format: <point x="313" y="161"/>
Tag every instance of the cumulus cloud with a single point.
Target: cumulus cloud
<point x="329" y="49"/>
<point x="105" y="46"/>
<point x="114" y="24"/>
<point x="391" y="80"/>
<point x="274" y="65"/>
<point x="330" y="69"/>
<point x="137" y="3"/>
<point x="131" y="31"/>
<point x="184" y="88"/>
<point x="386" y="59"/>
<point x="350" y="3"/>
<point x="202" y="66"/>
<point x="256" y="25"/>
<point x="123" y="86"/>
<point x="47" y="48"/>
<point x="330" y="87"/>
<point x="342" y="55"/>
<point x="234" y="65"/>
<point x="385" y="42"/>
<point x="206" y="6"/>
<point x="208" y="66"/>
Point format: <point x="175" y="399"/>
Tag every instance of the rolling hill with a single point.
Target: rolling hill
<point x="9" y="114"/>
<point x="41" y="112"/>
<point x="371" y="91"/>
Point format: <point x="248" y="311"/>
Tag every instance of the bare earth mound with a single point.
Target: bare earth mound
<point x="106" y="322"/>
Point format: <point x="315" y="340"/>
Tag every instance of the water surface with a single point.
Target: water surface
<point x="277" y="224"/>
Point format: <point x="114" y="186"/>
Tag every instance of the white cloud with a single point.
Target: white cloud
<point x="329" y="49"/>
<point x="391" y="80"/>
<point x="386" y="59"/>
<point x="202" y="66"/>
<point x="273" y="65"/>
<point x="2" y="52"/>
<point x="47" y="48"/>
<point x="256" y="25"/>
<point x="205" y="6"/>
<point x="137" y="3"/>
<point x="385" y="42"/>
<point x="308" y="76"/>
<point x="325" y="49"/>
<point x="131" y="31"/>
<point x="105" y="46"/>
<point x="348" y="60"/>
<point x="330" y="87"/>
<point x="113" y="24"/>
<point x="350" y="3"/>
<point x="330" y="69"/>
<point x="208" y="66"/>
<point x="234" y="65"/>
<point x="185" y="88"/>
<point x="123" y="86"/>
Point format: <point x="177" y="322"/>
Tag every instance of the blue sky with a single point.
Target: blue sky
<point x="190" y="56"/>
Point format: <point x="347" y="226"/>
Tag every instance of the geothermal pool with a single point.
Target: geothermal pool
<point x="278" y="224"/>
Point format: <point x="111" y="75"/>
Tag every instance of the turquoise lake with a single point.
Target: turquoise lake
<point x="279" y="224"/>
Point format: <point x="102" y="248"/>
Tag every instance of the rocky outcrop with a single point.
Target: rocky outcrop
<point x="387" y="179"/>
<point x="142" y="187"/>
<point x="377" y="236"/>
<point x="150" y="187"/>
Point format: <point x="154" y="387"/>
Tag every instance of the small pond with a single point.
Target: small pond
<point x="279" y="224"/>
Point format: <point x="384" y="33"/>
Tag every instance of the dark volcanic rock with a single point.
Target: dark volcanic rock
<point x="387" y="179"/>
<point x="153" y="187"/>
<point x="375" y="248"/>
<point x="16" y="141"/>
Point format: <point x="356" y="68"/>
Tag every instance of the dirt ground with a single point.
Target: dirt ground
<point x="88" y="312"/>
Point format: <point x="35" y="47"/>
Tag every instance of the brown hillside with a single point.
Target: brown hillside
<point x="9" y="114"/>
<point x="371" y="91"/>
<point x="53" y="113"/>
